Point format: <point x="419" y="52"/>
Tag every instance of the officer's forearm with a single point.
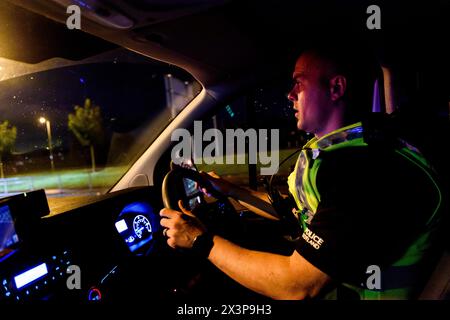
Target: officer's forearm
<point x="258" y="202"/>
<point x="266" y="273"/>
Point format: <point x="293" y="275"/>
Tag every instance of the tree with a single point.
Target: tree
<point x="8" y="135"/>
<point x="86" y="125"/>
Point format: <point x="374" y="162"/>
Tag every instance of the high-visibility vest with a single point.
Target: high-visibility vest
<point x="303" y="187"/>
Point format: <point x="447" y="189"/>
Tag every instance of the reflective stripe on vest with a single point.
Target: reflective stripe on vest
<point x="302" y="181"/>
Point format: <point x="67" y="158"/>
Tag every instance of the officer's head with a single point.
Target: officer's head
<point x="332" y="87"/>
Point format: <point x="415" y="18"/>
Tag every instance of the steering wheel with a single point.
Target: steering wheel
<point x="185" y="185"/>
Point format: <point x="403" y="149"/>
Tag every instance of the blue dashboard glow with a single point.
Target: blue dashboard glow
<point x="136" y="224"/>
<point x="136" y="246"/>
<point x="121" y="226"/>
<point x="8" y="235"/>
<point x="29" y="276"/>
<point x="138" y="207"/>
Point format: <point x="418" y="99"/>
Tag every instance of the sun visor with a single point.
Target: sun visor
<point x="31" y="38"/>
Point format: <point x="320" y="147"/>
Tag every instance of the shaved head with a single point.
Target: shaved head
<point x="331" y="88"/>
<point x="359" y="69"/>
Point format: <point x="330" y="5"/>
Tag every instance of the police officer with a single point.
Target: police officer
<point x="368" y="205"/>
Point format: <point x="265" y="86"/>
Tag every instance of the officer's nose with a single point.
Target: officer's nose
<point x="292" y="95"/>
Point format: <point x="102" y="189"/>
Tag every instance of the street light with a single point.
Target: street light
<point x="49" y="137"/>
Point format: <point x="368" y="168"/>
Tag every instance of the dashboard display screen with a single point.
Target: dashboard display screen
<point x="31" y="275"/>
<point x="192" y="193"/>
<point x="8" y="235"/>
<point x="190" y="187"/>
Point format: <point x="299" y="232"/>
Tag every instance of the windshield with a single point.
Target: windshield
<point x="75" y="127"/>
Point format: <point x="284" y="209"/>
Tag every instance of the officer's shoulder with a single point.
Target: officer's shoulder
<point x="360" y="162"/>
<point x="347" y="156"/>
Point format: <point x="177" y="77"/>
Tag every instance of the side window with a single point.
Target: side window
<point x="264" y="112"/>
<point x="232" y="116"/>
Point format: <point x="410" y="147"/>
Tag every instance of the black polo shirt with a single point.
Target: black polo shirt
<point x="373" y="205"/>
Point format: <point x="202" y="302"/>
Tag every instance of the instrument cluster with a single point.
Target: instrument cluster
<point x="137" y="224"/>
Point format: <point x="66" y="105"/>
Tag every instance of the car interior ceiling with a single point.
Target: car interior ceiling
<point x="244" y="36"/>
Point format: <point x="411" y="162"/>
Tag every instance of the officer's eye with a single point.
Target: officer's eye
<point x="297" y="81"/>
<point x="296" y="84"/>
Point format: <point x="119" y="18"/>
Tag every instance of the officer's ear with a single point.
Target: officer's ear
<point x="338" y="86"/>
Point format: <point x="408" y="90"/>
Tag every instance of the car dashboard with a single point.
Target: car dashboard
<point x="81" y="253"/>
<point x="110" y="248"/>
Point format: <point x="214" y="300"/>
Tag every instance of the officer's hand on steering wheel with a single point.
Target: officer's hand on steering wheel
<point x="181" y="228"/>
